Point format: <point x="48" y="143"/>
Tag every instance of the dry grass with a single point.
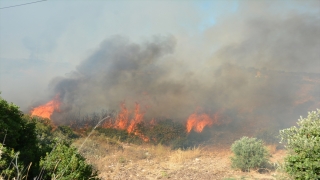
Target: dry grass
<point x="179" y="155"/>
<point x="117" y="160"/>
<point x="272" y="148"/>
<point x="159" y="151"/>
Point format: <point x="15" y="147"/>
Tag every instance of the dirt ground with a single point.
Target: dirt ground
<point x="116" y="160"/>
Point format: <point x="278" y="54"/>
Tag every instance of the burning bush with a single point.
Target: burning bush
<point x="166" y="132"/>
<point x="303" y="143"/>
<point x="249" y="153"/>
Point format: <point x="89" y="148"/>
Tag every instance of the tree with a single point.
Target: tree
<point x="303" y="143"/>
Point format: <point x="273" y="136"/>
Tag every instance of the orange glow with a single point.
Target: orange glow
<point x="123" y="117"/>
<point x="122" y="121"/>
<point x="143" y="137"/>
<point x="197" y="122"/>
<point x="138" y="118"/>
<point x="46" y="110"/>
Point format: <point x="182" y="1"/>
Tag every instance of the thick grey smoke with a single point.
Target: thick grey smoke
<point x="268" y="72"/>
<point x="122" y="71"/>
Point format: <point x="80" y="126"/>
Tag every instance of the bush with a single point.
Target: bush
<point x="64" y="162"/>
<point x="19" y="134"/>
<point x="6" y="157"/>
<point x="27" y="142"/>
<point x="303" y="143"/>
<point x="249" y="153"/>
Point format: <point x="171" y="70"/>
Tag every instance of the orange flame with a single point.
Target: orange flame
<point x="138" y="118"/>
<point x="122" y="121"/>
<point x="123" y="117"/>
<point x="46" y="110"/>
<point x="197" y="122"/>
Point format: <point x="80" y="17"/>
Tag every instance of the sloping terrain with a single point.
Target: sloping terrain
<point x="116" y="160"/>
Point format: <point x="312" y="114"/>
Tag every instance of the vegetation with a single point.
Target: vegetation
<point x="303" y="143"/>
<point x="18" y="134"/>
<point x="64" y="162"/>
<point x="249" y="153"/>
<point x="119" y="134"/>
<point x="29" y="146"/>
<point x="166" y="132"/>
<point x="6" y="157"/>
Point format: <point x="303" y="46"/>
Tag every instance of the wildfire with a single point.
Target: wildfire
<point x="138" y="118"/>
<point x="122" y="121"/>
<point x="198" y="121"/>
<point x="123" y="117"/>
<point x="47" y="109"/>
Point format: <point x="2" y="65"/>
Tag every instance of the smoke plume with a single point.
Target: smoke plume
<point x="266" y="72"/>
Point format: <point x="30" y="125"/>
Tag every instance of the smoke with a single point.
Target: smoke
<point x="259" y="70"/>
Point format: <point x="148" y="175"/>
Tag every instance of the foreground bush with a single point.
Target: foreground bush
<point x="27" y="140"/>
<point x="303" y="143"/>
<point x="6" y="169"/>
<point x="64" y="162"/>
<point x="249" y="153"/>
<point x="19" y="134"/>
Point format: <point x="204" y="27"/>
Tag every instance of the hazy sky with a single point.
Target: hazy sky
<point x="47" y="39"/>
<point x="41" y="41"/>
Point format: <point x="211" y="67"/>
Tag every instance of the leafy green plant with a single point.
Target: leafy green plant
<point x="67" y="131"/>
<point x="303" y="143"/>
<point x="30" y="148"/>
<point x="19" y="134"/>
<point x="6" y="157"/>
<point x="64" y="162"/>
<point x="249" y="153"/>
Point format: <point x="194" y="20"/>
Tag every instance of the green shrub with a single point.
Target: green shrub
<point x="19" y="134"/>
<point x="249" y="153"/>
<point x="6" y="157"/>
<point x="27" y="149"/>
<point x="303" y="143"/>
<point x="64" y="162"/>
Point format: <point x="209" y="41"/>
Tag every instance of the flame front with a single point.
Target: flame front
<point x="122" y="121"/>
<point x="198" y="121"/>
<point x="138" y="118"/>
<point x="123" y="117"/>
<point x="46" y="110"/>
